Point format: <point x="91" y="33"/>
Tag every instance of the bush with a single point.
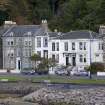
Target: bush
<point x="95" y="67"/>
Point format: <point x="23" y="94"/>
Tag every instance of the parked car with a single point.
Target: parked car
<point x="42" y="72"/>
<point x="28" y="72"/>
<point x="61" y="72"/>
<point x="81" y="73"/>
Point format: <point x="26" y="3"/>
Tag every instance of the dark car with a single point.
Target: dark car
<point x="40" y="72"/>
<point x="28" y="72"/>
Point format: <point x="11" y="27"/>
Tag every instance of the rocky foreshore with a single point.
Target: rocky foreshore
<point x="92" y="96"/>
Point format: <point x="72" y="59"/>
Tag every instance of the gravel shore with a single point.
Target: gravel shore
<point x="90" y="96"/>
<point x="39" y="94"/>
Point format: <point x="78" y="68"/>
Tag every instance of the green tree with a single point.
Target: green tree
<point x="3" y="16"/>
<point x="71" y="11"/>
<point x="39" y="10"/>
<point x="96" y="67"/>
<point x="35" y="58"/>
<point x="52" y="63"/>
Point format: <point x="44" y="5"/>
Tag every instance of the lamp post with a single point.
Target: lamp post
<point x="90" y="76"/>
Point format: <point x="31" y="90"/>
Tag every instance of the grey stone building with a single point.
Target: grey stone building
<point x="2" y="30"/>
<point x="18" y="45"/>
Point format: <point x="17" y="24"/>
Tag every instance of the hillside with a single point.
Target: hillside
<point x="64" y="15"/>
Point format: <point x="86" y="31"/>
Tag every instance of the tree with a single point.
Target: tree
<point x="52" y="63"/>
<point x="70" y="12"/>
<point x="45" y="64"/>
<point x="3" y="16"/>
<point x="35" y="58"/>
<point x="96" y="67"/>
<point x="39" y="10"/>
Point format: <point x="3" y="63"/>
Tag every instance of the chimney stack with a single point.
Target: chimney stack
<point x="45" y="25"/>
<point x="9" y="23"/>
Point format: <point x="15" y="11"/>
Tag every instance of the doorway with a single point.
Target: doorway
<point x="19" y="65"/>
<point x="74" y="61"/>
<point x="67" y="61"/>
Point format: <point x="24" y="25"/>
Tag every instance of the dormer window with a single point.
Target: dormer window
<point x="11" y="34"/>
<point x="29" y="33"/>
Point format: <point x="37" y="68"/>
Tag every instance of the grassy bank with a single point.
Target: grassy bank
<point x="54" y="79"/>
<point x="59" y="79"/>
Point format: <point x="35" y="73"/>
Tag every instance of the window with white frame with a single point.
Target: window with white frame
<point x="10" y="43"/>
<point x="53" y="56"/>
<point x="26" y="43"/>
<point x="57" y="46"/>
<point x="38" y="41"/>
<point x="10" y="55"/>
<point x="73" y="45"/>
<point x="66" y="46"/>
<point x="53" y="46"/>
<point x="82" y="45"/>
<point x="85" y="60"/>
<point x="39" y="53"/>
<point x="45" y="42"/>
<point x="100" y="46"/>
<point x="82" y="58"/>
<point x="30" y="43"/>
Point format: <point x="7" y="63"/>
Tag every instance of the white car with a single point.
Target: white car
<point x="61" y="72"/>
<point x="79" y="73"/>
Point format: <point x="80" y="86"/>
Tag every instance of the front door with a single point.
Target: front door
<point x="67" y="61"/>
<point x="19" y="65"/>
<point x="74" y="61"/>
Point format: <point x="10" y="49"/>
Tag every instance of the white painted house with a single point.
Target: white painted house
<point x="76" y="48"/>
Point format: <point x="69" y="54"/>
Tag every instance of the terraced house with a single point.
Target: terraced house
<point x="76" y="48"/>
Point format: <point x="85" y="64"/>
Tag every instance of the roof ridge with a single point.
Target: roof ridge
<point x="27" y="25"/>
<point x="79" y="31"/>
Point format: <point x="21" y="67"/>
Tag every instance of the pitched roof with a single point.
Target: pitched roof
<point x="82" y="34"/>
<point x="21" y="30"/>
<point x="2" y="30"/>
<point x="55" y="34"/>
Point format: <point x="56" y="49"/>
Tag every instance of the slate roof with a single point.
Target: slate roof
<point x="53" y="34"/>
<point x="2" y="30"/>
<point x="83" y="34"/>
<point x="22" y="30"/>
<point x="37" y="30"/>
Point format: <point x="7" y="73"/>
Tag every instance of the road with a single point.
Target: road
<point x="31" y="76"/>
